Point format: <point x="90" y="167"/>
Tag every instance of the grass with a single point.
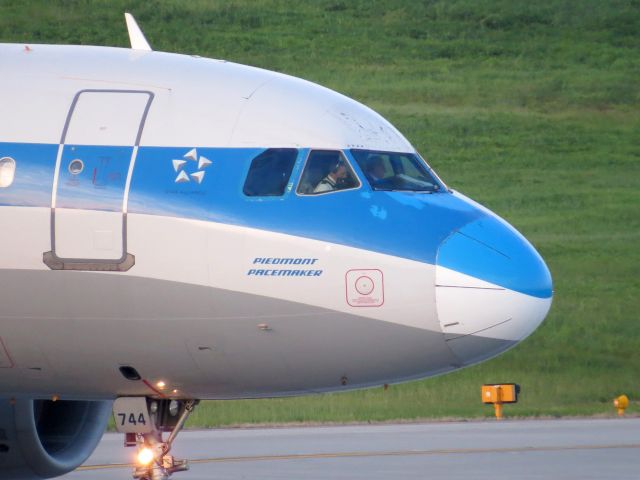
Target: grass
<point x="531" y="108"/>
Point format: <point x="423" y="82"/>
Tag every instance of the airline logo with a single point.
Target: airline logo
<point x="191" y="167"/>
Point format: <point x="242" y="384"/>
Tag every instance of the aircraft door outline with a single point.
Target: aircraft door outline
<point x="94" y="166"/>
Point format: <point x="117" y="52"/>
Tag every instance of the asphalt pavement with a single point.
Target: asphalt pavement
<point x="509" y="449"/>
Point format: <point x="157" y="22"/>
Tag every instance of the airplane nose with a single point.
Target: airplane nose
<point x="492" y="289"/>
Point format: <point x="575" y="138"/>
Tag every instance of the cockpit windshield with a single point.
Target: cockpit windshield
<point x="397" y="171"/>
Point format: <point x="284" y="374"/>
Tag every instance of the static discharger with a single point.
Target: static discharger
<point x="621" y="403"/>
<point x="499" y="394"/>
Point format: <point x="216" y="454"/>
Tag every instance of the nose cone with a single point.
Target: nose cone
<point x="492" y="289"/>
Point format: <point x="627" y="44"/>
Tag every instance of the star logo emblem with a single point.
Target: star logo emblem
<point x="184" y="167"/>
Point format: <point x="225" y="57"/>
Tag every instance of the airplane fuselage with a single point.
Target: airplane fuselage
<point x="132" y="238"/>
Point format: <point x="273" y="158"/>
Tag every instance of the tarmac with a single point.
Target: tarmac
<point x="508" y="449"/>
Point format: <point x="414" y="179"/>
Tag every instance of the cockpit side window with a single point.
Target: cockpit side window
<point x="327" y="171"/>
<point x="397" y="171"/>
<point x="269" y="172"/>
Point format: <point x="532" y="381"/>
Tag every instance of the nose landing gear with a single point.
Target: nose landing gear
<point x="144" y="420"/>
<point x="154" y="460"/>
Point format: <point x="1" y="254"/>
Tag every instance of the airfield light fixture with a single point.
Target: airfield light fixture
<point x="498" y="394"/>
<point x="621" y="403"/>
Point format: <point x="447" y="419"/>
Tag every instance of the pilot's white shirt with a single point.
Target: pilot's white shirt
<point x="327" y="184"/>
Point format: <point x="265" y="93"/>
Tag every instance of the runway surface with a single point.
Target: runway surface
<point x="529" y="449"/>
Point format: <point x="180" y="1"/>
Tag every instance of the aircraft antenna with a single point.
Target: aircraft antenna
<point x="136" y="37"/>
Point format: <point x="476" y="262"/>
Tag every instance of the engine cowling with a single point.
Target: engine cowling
<point x="45" y="439"/>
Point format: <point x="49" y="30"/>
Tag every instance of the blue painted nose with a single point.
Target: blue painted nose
<point x="492" y="289"/>
<point x="491" y="250"/>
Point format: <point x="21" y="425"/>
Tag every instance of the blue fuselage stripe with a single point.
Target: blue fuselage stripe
<point x="403" y="224"/>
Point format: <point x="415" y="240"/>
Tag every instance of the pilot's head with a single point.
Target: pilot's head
<point x="339" y="170"/>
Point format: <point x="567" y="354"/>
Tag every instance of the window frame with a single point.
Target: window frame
<point x="345" y="158"/>
<point x="445" y="187"/>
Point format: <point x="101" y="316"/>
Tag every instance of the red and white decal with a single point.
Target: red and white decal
<point x="365" y="287"/>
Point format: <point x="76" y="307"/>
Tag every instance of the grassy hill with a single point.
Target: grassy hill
<point x="531" y="108"/>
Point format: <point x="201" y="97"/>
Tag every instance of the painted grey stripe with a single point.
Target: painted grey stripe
<point x="212" y="333"/>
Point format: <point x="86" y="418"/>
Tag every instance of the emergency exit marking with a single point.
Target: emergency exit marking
<point x="365" y="287"/>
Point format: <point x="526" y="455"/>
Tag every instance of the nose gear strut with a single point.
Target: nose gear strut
<point x="151" y="419"/>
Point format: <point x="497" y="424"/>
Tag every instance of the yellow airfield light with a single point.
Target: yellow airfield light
<point x="621" y="403"/>
<point x="145" y="456"/>
<point x="498" y="394"/>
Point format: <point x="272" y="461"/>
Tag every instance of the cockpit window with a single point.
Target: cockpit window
<point x="270" y="172"/>
<point x="396" y="171"/>
<point x="326" y="171"/>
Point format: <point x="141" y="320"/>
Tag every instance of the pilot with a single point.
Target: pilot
<point x="334" y="180"/>
<point x="375" y="168"/>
